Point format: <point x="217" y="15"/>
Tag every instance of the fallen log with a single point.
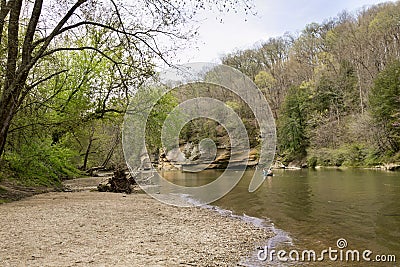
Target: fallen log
<point x="118" y="183"/>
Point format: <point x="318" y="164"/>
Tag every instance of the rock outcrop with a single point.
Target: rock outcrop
<point x="191" y="157"/>
<point x="392" y="167"/>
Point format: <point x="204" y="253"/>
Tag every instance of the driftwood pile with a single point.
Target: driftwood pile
<point x="118" y="183"/>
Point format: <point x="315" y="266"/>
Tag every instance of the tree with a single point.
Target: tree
<point x="29" y="39"/>
<point x="292" y="124"/>
<point x="384" y="103"/>
<point x="268" y="85"/>
<point x="245" y="61"/>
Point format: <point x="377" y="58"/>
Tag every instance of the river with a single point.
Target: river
<point x="315" y="208"/>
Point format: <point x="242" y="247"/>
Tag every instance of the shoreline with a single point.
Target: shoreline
<point x="388" y="168"/>
<point x="81" y="228"/>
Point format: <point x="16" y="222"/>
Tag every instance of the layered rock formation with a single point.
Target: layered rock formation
<point x="193" y="158"/>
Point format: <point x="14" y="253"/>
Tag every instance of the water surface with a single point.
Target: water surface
<point x="317" y="207"/>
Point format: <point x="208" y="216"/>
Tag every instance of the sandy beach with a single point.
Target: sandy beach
<point x="84" y="228"/>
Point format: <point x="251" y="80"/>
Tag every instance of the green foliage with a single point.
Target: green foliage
<point x="292" y="124"/>
<point x="199" y="129"/>
<point x="321" y="82"/>
<point x="234" y="105"/>
<point x="384" y="101"/>
<point x="384" y="96"/>
<point x="165" y="104"/>
<point x="265" y="80"/>
<point x="354" y="155"/>
<point x="312" y="162"/>
<point x="41" y="164"/>
<point x="316" y="84"/>
<point x="387" y="19"/>
<point x="336" y="89"/>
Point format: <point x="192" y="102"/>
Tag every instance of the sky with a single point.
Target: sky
<point x="274" y="18"/>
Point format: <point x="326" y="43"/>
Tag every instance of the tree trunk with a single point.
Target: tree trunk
<point x="360" y="89"/>
<point x="111" y="152"/>
<point x="12" y="93"/>
<point x="85" y="160"/>
<point x="5" y="120"/>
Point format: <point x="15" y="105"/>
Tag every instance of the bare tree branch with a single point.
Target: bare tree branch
<point x="136" y="35"/>
<point x="45" y="79"/>
<point x="55" y="31"/>
<point x="117" y="64"/>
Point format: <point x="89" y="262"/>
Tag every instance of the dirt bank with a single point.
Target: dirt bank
<point x="106" y="229"/>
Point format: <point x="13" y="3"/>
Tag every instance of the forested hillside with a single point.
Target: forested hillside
<point x="334" y="88"/>
<point x="68" y="72"/>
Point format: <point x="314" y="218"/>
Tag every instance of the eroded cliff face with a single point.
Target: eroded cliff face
<point x="191" y="157"/>
<point x="207" y="145"/>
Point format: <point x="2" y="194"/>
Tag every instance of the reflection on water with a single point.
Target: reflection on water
<point x="319" y="207"/>
<point x="191" y="179"/>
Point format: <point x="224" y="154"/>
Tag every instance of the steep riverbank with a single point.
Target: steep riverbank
<point x="191" y="159"/>
<point x="82" y="228"/>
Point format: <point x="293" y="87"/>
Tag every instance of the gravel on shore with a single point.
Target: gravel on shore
<point x="106" y="229"/>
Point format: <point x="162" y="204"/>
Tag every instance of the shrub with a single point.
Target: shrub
<point x="41" y="164"/>
<point x="312" y="162"/>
